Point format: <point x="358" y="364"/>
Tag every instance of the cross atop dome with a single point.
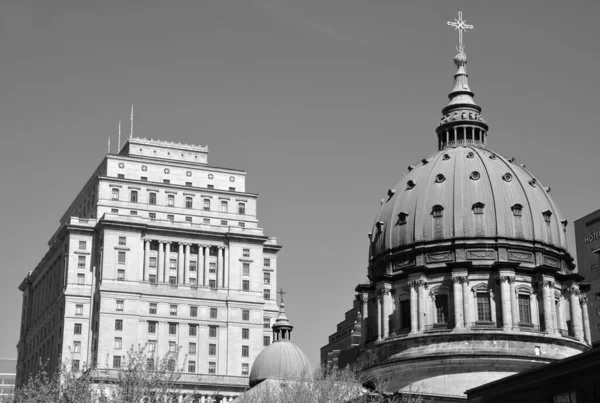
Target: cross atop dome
<point x="460" y="25"/>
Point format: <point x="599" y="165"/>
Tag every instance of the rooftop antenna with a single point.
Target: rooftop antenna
<point x="119" y="145"/>
<point x="108" y="144"/>
<point x="131" y="126"/>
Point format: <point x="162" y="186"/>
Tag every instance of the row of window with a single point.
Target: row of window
<point x="168" y="182"/>
<point x="171" y="217"/>
<point x="189" y="201"/>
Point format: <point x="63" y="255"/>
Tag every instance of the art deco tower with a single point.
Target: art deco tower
<point x="470" y="276"/>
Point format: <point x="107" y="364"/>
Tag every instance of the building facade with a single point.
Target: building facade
<point x="470" y="275"/>
<point x="162" y="250"/>
<point x="8" y="368"/>
<point x="587" y="241"/>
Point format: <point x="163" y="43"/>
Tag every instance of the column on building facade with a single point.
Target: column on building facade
<point x="379" y="321"/>
<point x="555" y="322"/>
<point x="365" y="318"/>
<point x="547" y="285"/>
<point x="186" y="264"/>
<point x="505" y="294"/>
<point x="586" y="319"/>
<point x="146" y="259"/>
<point x="219" y="266"/>
<point x="414" y="311"/>
<point x="465" y="289"/>
<point x="225" y="267"/>
<point x="560" y="319"/>
<point x="514" y="303"/>
<point x="180" y="262"/>
<point x="422" y="291"/>
<point x="458" y="304"/>
<point x="576" y="313"/>
<point x="161" y="262"/>
<point x="205" y="266"/>
<point x="385" y="320"/>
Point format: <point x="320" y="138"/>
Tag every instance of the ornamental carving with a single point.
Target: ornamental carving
<point x="210" y="176"/>
<point x="520" y="256"/>
<point x="460" y="279"/>
<point x="550" y="261"/>
<point x="507" y="279"/>
<point x="188" y="173"/>
<point x="167" y="171"/>
<point x="573" y="290"/>
<point x="144" y="168"/>
<point x="439" y="257"/>
<point x="583" y="300"/>
<point x="403" y="263"/>
<point x="481" y="254"/>
<point x="232" y="179"/>
<point x="121" y="165"/>
<point x="384" y="291"/>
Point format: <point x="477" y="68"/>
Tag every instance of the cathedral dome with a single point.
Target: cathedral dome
<point x="467" y="192"/>
<point x="282" y="359"/>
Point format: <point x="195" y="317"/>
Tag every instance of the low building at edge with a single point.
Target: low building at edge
<point x="470" y="277"/>
<point x="162" y="250"/>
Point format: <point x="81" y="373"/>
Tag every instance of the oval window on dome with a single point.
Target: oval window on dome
<point x="533" y="182"/>
<point x="507" y="177"/>
<point x="410" y="184"/>
<point x="493" y="156"/>
<point x="437" y="211"/>
<point x="475" y="175"/>
<point x="445" y="157"/>
<point x="470" y="155"/>
<point x="439" y="178"/>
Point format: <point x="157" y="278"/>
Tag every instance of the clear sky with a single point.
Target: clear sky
<point x="323" y="102"/>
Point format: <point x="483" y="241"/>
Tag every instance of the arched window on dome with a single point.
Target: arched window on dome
<point x="527" y="307"/>
<point x="402" y="320"/>
<point x="440" y="307"/>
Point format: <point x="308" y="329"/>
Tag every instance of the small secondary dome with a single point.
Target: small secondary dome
<point x="282" y="359"/>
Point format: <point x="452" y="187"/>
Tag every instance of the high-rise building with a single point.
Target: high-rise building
<point x="162" y="250"/>
<point x="587" y="241"/>
<point x="471" y="279"/>
<point x="7" y="379"/>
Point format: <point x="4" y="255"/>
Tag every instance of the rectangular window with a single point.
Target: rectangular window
<point x="152" y="262"/>
<point x="441" y="308"/>
<point x="212" y="283"/>
<point x="120" y="305"/>
<point x="152" y="327"/>
<point x="193" y="311"/>
<point x="245" y="333"/>
<point x="152" y="198"/>
<point x="114" y="210"/>
<point x="212" y="349"/>
<point x="213" y="313"/>
<point x="266" y="340"/>
<point x="152" y="216"/>
<point x="192" y="366"/>
<point x="173" y="310"/>
<point x="212" y="366"/>
<point x="172" y="328"/>
<point x="193" y="265"/>
<point x="231" y="189"/>
<point x="245" y="351"/>
<point x="151" y="346"/>
<point x="212" y="251"/>
<point x="245" y="369"/>
<point x="524" y="308"/>
<point x="133" y="212"/>
<point x="206" y="221"/>
<point x="116" y="361"/>
<point x="267" y="262"/>
<point x="224" y="206"/>
<point x="118" y="324"/>
<point x="121" y="176"/>
<point x="77" y="347"/>
<point x="241" y="224"/>
<point x="120" y="274"/>
<point x="246" y="269"/>
<point x="210" y="186"/>
<point x="75" y="365"/>
<point x="170" y="200"/>
<point x="212" y="331"/>
<point x="188" y="219"/>
<point x="192" y="348"/>
<point x="144" y="178"/>
<point x="152" y="278"/>
<point x="115" y="194"/>
<point x="267" y="294"/>
<point x="170" y="217"/>
<point x="266" y="323"/>
<point x="245" y="285"/>
<point x="150" y="364"/>
<point x="78" y="309"/>
<point x="134" y="196"/>
<point x="405" y="312"/>
<point x="245" y="314"/>
<point x="246" y="253"/>
<point x="82" y="245"/>
<point x="206" y="204"/>
<point x="167" y="181"/>
<point x="212" y="267"/>
<point x="81" y="278"/>
<point x="223" y="222"/>
<point x="189" y="184"/>
<point x="483" y="307"/>
<point x="121" y="257"/>
<point x="152" y="309"/>
<point x="172" y="263"/>
<point x="81" y="262"/>
<point x="193" y="282"/>
<point x="172" y="346"/>
<point x="118" y="343"/>
<point x="193" y="330"/>
<point x="188" y="202"/>
<point x="267" y="278"/>
<point x="171" y="365"/>
<point x="77" y="328"/>
<point x="173" y="280"/>
<point x="122" y="241"/>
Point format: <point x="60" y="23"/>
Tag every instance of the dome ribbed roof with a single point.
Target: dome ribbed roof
<point x="467" y="192"/>
<point x="281" y="360"/>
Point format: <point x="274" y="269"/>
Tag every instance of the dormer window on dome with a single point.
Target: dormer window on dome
<point x="517" y="209"/>
<point x="410" y="185"/>
<point x="478" y="208"/>
<point x="402" y="218"/>
<point x="547" y="216"/>
<point x="379" y="225"/>
<point x="437" y="211"/>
